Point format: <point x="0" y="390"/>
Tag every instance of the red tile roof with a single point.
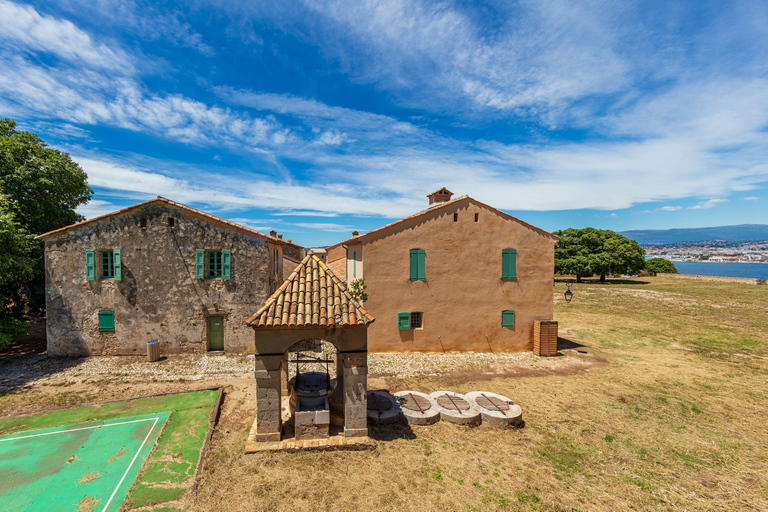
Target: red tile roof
<point x="312" y="295"/>
<point x="438" y="206"/>
<point x="167" y="202"/>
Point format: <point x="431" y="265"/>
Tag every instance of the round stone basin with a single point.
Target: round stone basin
<point x="313" y="389"/>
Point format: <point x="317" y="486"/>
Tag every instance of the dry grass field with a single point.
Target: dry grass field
<point x="674" y="419"/>
<point x="659" y="401"/>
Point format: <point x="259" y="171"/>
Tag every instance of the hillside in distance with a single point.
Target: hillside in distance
<point x="727" y="233"/>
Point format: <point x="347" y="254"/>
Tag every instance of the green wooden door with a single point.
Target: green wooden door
<point x="215" y="333"/>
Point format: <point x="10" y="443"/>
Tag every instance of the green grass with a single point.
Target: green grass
<point x="11" y="328"/>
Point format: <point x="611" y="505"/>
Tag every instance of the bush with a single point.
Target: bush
<point x="9" y="329"/>
<point x="660" y="265"/>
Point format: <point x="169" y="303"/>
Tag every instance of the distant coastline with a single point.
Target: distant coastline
<point x="753" y="270"/>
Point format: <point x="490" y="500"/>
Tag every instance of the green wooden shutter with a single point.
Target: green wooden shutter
<point x="403" y="321"/>
<point x="118" y="267"/>
<point x="509" y="264"/>
<point x="107" y="321"/>
<point x="199" y="264"/>
<point x="508" y="318"/>
<point x="226" y="264"/>
<point x="418" y="257"/>
<point x="90" y="265"/>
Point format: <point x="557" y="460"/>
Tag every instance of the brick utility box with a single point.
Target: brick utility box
<point x="545" y="337"/>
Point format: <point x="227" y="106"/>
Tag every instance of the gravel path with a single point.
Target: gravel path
<point x="49" y="370"/>
<point x="409" y="365"/>
<point x="40" y="369"/>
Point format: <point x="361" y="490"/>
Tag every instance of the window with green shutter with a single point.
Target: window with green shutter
<point x="107" y="264"/>
<point x="90" y="265"/>
<point x="199" y="264"/>
<point x="509" y="264"/>
<point x="418" y="257"/>
<point x="508" y="318"/>
<point x="226" y="264"/>
<point x="276" y="259"/>
<point x="403" y="321"/>
<point x="117" y="269"/>
<point x="214" y="263"/>
<point x="106" y="321"/>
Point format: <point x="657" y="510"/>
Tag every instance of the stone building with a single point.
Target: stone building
<point x="157" y="270"/>
<point x="459" y="276"/>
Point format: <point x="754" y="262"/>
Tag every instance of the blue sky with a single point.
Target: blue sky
<point x="316" y="118"/>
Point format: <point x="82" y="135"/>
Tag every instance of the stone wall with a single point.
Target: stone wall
<point x="158" y="296"/>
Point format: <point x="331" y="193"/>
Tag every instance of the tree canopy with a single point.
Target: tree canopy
<point x="40" y="189"/>
<point x="589" y="251"/>
<point x="661" y="265"/>
<point x="43" y="184"/>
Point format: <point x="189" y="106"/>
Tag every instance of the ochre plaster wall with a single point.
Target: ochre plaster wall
<point x="463" y="295"/>
<point x="337" y="261"/>
<point x="158" y="296"/>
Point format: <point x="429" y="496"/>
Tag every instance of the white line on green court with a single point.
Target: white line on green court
<point x="131" y="464"/>
<point x="76" y="429"/>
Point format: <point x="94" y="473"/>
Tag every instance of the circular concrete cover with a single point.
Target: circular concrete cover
<point x="455" y="408"/>
<point x="383" y="408"/>
<point x="496" y="409"/>
<point x="418" y="408"/>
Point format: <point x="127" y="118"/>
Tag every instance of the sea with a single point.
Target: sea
<point x="705" y="268"/>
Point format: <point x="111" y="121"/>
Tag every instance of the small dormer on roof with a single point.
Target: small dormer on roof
<point x="439" y="196"/>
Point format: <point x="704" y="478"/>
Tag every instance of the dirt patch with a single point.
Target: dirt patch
<point x="90" y="477"/>
<point x="86" y="504"/>
<point x="117" y="455"/>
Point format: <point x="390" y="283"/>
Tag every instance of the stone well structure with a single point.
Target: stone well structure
<point x="311" y="304"/>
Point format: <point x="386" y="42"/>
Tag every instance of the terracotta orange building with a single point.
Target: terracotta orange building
<point x="459" y="276"/>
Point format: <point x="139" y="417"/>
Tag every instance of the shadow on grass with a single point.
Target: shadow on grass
<point x="401" y="429"/>
<point x="596" y="280"/>
<point x="565" y="343"/>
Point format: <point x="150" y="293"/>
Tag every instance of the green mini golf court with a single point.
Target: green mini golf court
<point x="92" y="462"/>
<point x="60" y="468"/>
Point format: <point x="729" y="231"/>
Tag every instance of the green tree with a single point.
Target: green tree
<point x="17" y="265"/>
<point x="357" y="290"/>
<point x="43" y="187"/>
<point x="661" y="265"/>
<point x="588" y="251"/>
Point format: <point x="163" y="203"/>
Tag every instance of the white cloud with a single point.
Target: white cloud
<point x="324" y="226"/>
<point x="23" y="25"/>
<point x="612" y="216"/>
<point x="707" y="204"/>
<point x="670" y="208"/>
<point x="96" y="208"/>
<point x="751" y="198"/>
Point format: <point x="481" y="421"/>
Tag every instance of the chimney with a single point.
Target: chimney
<point x="355" y="233"/>
<point x="273" y="233"/>
<point x="440" y="196"/>
<point x="280" y="236"/>
<point x="321" y="254"/>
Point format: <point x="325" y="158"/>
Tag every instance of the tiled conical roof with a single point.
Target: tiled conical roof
<point x="312" y="295"/>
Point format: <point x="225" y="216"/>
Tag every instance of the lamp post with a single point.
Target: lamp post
<point x="25" y="294"/>
<point x="568" y="293"/>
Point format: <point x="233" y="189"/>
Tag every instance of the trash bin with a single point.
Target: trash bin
<point x="153" y="351"/>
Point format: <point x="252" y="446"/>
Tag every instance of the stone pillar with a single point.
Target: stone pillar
<point x="355" y="396"/>
<point x="268" y="385"/>
<point x="284" y="375"/>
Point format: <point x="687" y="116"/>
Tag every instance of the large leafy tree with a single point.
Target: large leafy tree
<point x="17" y="265"/>
<point x="42" y="186"/>
<point x="661" y="265"/>
<point x="589" y="251"/>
